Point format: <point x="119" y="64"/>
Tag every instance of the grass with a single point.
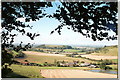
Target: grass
<point x="14" y="53"/>
<point x="114" y="67"/>
<point x="72" y="50"/>
<point x="115" y="60"/>
<point x="50" y="59"/>
<point x="25" y="71"/>
<point x="20" y="71"/>
<point x="108" y="51"/>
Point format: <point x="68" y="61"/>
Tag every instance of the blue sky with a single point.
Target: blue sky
<point x="46" y="25"/>
<point x="68" y="37"/>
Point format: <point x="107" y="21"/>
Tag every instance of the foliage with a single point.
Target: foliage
<point x="104" y="63"/>
<point x="107" y="62"/>
<point x="69" y="55"/>
<point x="6" y="61"/>
<point x="104" y="19"/>
<point x="91" y="19"/>
<point x="11" y="11"/>
<point x="18" y="54"/>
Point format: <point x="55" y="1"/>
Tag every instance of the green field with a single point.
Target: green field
<point x="25" y="71"/>
<point x="115" y="60"/>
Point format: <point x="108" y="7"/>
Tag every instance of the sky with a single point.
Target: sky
<point x="68" y="37"/>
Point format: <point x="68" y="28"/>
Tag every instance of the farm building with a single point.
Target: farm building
<point x="84" y="64"/>
<point x="93" y="66"/>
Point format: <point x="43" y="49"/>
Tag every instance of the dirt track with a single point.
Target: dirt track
<point x="99" y="57"/>
<point x="66" y="73"/>
<point x="40" y="53"/>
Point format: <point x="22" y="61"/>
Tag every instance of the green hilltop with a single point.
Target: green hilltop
<point x="54" y="46"/>
<point x="107" y="51"/>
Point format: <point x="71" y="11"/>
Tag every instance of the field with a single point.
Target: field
<point x="55" y="72"/>
<point x="21" y="71"/>
<point x="25" y="71"/>
<point x="96" y="57"/>
<point x="66" y="73"/>
<point x="38" y="57"/>
<point x="115" y="60"/>
<point x="72" y="50"/>
<point x="109" y="52"/>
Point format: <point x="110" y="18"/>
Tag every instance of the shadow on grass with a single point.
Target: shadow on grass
<point x="14" y="75"/>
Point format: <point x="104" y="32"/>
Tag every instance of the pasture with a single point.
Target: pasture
<point x="25" y="71"/>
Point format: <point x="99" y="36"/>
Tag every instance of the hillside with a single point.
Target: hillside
<point x="107" y="51"/>
<point x="54" y="46"/>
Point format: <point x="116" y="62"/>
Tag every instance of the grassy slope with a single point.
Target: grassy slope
<point x="108" y="51"/>
<point x="14" y="53"/>
<point x="26" y="71"/>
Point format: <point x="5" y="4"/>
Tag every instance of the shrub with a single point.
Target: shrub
<point x="82" y="62"/>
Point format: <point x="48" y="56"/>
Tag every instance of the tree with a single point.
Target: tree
<point x="102" y="66"/>
<point x="91" y="19"/>
<point x="78" y="15"/>
<point x="11" y="11"/>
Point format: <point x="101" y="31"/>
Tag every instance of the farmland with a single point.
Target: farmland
<point x="96" y="57"/>
<point x="54" y="59"/>
<point x="55" y="72"/>
<point x="39" y="57"/>
<point x="62" y="73"/>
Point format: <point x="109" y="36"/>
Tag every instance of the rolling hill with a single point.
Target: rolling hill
<point x="107" y="51"/>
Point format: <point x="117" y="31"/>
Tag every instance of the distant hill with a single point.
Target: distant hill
<point x="107" y="50"/>
<point x="54" y="46"/>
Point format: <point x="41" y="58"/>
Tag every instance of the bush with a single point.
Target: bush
<point x="103" y="66"/>
<point x="107" y="62"/>
<point x="82" y="62"/>
<point x="69" y="55"/>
